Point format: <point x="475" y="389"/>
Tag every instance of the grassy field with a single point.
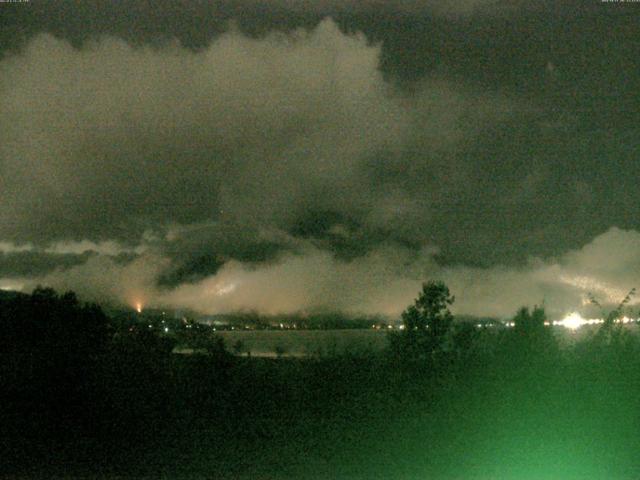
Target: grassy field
<point x="495" y="414"/>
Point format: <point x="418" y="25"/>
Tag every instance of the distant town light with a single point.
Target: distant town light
<point x="573" y="321"/>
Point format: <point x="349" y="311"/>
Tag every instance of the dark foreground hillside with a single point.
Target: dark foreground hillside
<point x="510" y="405"/>
<point x="332" y="418"/>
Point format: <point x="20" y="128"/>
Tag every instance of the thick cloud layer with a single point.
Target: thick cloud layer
<point x="384" y="281"/>
<point x="109" y="141"/>
<point x="318" y="168"/>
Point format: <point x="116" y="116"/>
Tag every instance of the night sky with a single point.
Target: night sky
<point x="290" y="156"/>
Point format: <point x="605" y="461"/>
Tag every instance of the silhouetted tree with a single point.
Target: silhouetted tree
<point x="610" y="332"/>
<point x="531" y="338"/>
<point x="49" y="325"/>
<point x="52" y="346"/>
<point x="465" y="336"/>
<point x="611" y="341"/>
<point x="430" y="311"/>
<point x="529" y="323"/>
<point x="427" y="323"/>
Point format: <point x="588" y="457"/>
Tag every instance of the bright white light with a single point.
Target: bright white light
<point x="166" y="329"/>
<point x="139" y="307"/>
<point x="573" y="321"/>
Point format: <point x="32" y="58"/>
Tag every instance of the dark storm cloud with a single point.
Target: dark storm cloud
<point x="225" y="148"/>
<point x="386" y="280"/>
<point x="196" y="23"/>
<point x="198" y="251"/>
<point x="28" y="260"/>
<point x="33" y="264"/>
<point x="116" y="141"/>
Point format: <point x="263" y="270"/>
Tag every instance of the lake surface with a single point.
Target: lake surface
<point x="302" y="343"/>
<point x="319" y="343"/>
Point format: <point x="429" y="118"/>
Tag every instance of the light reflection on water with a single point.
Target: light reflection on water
<point x="302" y="343"/>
